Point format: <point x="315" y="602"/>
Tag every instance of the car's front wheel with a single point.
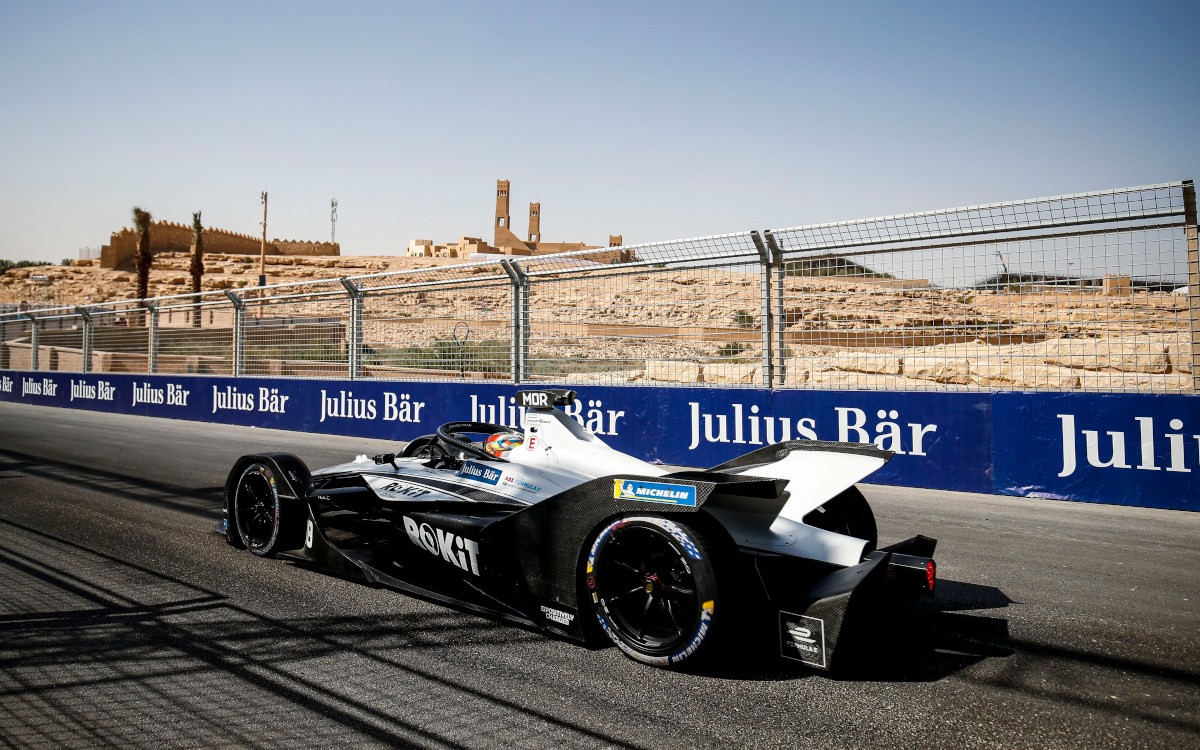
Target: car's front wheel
<point x="265" y="523"/>
<point x="652" y="585"/>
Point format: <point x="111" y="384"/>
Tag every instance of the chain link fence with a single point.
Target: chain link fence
<point x="1094" y="292"/>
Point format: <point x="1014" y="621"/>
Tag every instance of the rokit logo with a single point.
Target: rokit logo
<point x="457" y="550"/>
<point x="403" y="489"/>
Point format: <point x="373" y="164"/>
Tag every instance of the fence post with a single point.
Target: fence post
<point x="354" y="331"/>
<point x="520" y="318"/>
<point x="239" y="332"/>
<point x="766" y="319"/>
<point x="34" y="344"/>
<point x="85" y="344"/>
<point x="1193" y="270"/>
<point x="780" y="313"/>
<point x="153" y="340"/>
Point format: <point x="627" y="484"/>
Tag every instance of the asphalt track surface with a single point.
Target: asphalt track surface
<point x="126" y="622"/>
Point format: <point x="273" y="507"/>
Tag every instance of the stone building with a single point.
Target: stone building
<point x="505" y="241"/>
<point x="464" y="248"/>
<point x="172" y="237"/>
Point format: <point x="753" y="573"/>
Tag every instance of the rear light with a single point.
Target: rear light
<point x="912" y="574"/>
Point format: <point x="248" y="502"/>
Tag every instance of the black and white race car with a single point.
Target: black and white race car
<point x="551" y="528"/>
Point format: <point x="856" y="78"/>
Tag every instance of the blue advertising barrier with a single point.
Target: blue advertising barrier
<point x="1131" y="449"/>
<point x="1127" y="449"/>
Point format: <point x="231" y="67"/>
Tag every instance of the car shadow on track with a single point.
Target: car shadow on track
<point x="927" y="642"/>
<point x="942" y="637"/>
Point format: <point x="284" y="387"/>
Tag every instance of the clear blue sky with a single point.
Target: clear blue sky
<point x="653" y="120"/>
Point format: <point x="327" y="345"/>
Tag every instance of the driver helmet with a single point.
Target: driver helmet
<point x="500" y="444"/>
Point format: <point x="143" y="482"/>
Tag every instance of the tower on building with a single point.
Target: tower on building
<point x="535" y="222"/>
<point x="502" y="219"/>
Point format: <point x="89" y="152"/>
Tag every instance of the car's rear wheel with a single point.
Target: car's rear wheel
<point x="265" y="523"/>
<point x="847" y="513"/>
<point x="652" y="585"/>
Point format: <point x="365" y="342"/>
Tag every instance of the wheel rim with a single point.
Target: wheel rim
<point x="257" y="508"/>
<point x="647" y="589"/>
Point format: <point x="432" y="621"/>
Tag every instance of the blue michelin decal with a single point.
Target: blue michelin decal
<point x="480" y="473"/>
<point x="655" y="492"/>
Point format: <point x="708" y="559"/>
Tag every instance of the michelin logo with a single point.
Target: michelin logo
<point x="655" y="492"/>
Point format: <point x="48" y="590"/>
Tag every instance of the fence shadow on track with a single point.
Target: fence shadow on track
<point x="97" y="651"/>
<point x="100" y="652"/>
<point x="963" y="637"/>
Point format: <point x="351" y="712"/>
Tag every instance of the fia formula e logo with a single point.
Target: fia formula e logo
<point x="801" y="635"/>
<point x="802" y="638"/>
<point x="457" y="550"/>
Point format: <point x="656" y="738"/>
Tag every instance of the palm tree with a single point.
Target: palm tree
<point x="197" y="266"/>
<point x="144" y="258"/>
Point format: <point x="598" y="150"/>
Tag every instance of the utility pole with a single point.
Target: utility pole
<point x="262" y="255"/>
<point x="333" y="221"/>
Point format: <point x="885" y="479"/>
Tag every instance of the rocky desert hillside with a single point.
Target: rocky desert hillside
<point x="84" y="282"/>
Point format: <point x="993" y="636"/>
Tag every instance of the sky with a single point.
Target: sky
<point x="653" y="120"/>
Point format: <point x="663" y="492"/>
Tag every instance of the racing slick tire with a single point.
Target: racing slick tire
<point x="418" y="444"/>
<point x="652" y="586"/>
<point x="847" y="513"/>
<point x="266" y="523"/>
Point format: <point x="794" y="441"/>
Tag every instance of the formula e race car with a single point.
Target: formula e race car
<point x="551" y="528"/>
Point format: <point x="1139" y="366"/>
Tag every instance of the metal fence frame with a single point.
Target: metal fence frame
<point x="1170" y="207"/>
